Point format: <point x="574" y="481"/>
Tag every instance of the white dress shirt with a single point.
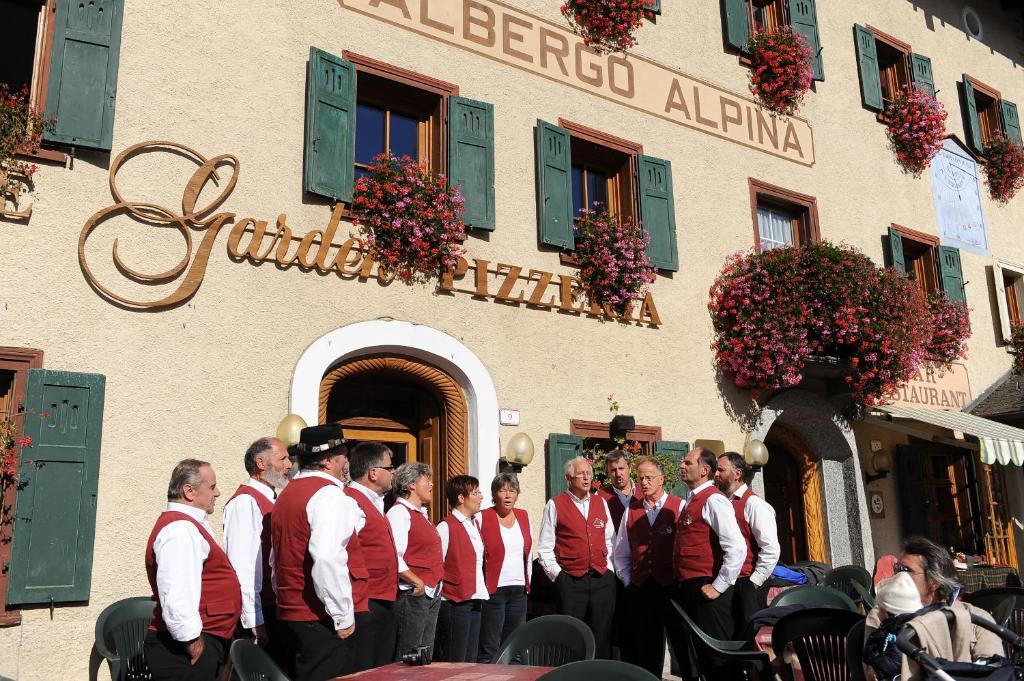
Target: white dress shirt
<point x="180" y="552"/>
<point x="401" y="521"/>
<point x="622" y="556"/>
<point x="332" y="520"/>
<point x="478" y="548"/>
<point x="721" y="516"/>
<point x="514" y="570"/>
<point x="243" y="529"/>
<point x="376" y="499"/>
<point x="546" y="541"/>
<point x="760" y="515"/>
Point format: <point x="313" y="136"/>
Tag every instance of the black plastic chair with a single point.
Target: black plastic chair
<point x="743" y="654"/>
<point x="816" y="597"/>
<point x="548" y="641"/>
<point x="252" y="664"/>
<point x="855" y="651"/>
<point x="1004" y="603"/>
<point x="120" y="634"/>
<point x="852" y="580"/>
<point x="605" y="670"/>
<point x="819" y="639"/>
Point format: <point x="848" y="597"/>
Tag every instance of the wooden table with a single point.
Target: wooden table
<point x="452" y="671"/>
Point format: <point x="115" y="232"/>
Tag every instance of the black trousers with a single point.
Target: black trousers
<point x="714" y="617"/>
<point x="744" y="605"/>
<point x="319" y="653"/>
<point x="647" y="610"/>
<point x="500" y="615"/>
<point x="375" y="635"/>
<point x="459" y="628"/>
<point x="590" y="598"/>
<point x="168" y="660"/>
<point x="622" y="640"/>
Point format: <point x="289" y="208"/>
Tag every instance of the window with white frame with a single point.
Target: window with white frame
<point x="1009" y="284"/>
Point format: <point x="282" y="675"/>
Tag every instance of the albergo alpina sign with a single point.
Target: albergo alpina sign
<point x="256" y="241"/>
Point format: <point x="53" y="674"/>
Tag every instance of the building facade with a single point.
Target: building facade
<point x="188" y="273"/>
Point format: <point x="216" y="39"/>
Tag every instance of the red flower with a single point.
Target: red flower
<point x="25" y="441"/>
<point x="1004" y="168"/>
<point x="781" y="69"/>
<point x="606" y="25"/>
<point x="916" y="124"/>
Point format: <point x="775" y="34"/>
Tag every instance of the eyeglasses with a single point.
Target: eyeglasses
<point x="900" y="567"/>
<point x="386" y="468"/>
<point x="648" y="478"/>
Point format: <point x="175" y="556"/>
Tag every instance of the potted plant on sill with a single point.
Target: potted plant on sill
<point x="606" y="25"/>
<point x="1016" y="348"/>
<point x="21" y="131"/>
<point x="781" y="69"/>
<point x="916" y="127"/>
<point x="1004" y="168"/>
<point x="612" y="258"/>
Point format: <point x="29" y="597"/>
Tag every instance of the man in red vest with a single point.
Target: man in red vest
<point x="247" y="541"/>
<point x="198" y="600"/>
<point x="709" y="551"/>
<point x="371" y="470"/>
<point x="756" y="519"/>
<point x="318" y="567"/>
<point x="575" y="550"/>
<point x="643" y="561"/>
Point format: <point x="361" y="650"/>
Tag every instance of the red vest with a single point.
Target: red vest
<point x="698" y="552"/>
<point x="615" y="505"/>
<point x="651" y="545"/>
<point x="494" y="547"/>
<point x="378" y="549"/>
<point x="579" y="543"/>
<point x="296" y="597"/>
<point x="752" y="548"/>
<point x="266" y="506"/>
<point x="423" y="552"/>
<point x="459" y="563"/>
<point x="220" y="600"/>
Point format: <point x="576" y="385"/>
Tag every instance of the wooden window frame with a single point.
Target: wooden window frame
<point x="930" y="266"/>
<point x="898" y="69"/>
<point x="19" y="361"/>
<point x="1015" y="273"/>
<point x="806" y="228"/>
<point x="616" y="156"/>
<point x="743" y="57"/>
<point x="601" y="430"/>
<point x="41" y="76"/>
<point x="780" y="11"/>
<point x="990" y="117"/>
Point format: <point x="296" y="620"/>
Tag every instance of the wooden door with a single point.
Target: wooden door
<point x="947" y="498"/>
<point x="783" y="489"/>
<point x="401" y="442"/>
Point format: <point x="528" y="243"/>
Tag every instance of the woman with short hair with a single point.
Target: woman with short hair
<point x="505" y="531"/>
<point x="420" y="560"/>
<point x="464" y="589"/>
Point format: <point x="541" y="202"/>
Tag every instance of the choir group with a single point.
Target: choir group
<point x="317" y="571"/>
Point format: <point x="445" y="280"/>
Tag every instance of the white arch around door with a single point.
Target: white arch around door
<point x="412" y="340"/>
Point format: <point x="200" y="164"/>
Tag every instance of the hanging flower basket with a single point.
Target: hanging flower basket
<point x="21" y="131"/>
<point x="612" y="257"/>
<point x="1016" y="349"/>
<point x="773" y="311"/>
<point x="917" y="128"/>
<point x="1004" y="168"/>
<point x="781" y="69"/>
<point x="606" y="25"/>
<point x="409" y="217"/>
<point x="951" y="327"/>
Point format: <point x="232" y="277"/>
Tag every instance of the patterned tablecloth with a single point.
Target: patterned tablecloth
<point x="976" y="578"/>
<point x="452" y="671"/>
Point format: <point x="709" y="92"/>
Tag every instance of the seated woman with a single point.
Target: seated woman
<point x="930" y="569"/>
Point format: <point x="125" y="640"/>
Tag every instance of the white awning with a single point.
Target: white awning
<point x="999" y="443"/>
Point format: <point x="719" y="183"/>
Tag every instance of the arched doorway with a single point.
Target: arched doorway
<point x="792" y="485"/>
<point x="417" y="409"/>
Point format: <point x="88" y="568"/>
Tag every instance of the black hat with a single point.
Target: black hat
<point x="318" y="442"/>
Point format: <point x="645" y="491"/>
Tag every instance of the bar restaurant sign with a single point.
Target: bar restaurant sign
<point x="936" y="387"/>
<point x="515" y="38"/>
<point x="252" y="239"/>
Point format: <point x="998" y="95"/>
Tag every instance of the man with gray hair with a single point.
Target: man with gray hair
<point x="247" y="541"/>
<point x="198" y="599"/>
<point x="575" y="550"/>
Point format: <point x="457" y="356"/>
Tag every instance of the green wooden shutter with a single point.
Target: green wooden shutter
<point x="471" y="158"/>
<point x="972" y="126"/>
<point x="676" y="451"/>
<point x="951" y="274"/>
<point x="803" y="16"/>
<point x="658" y="212"/>
<point x="867" y="64"/>
<point x="910" y="478"/>
<point x="554" y="186"/>
<point x="55" y="516"/>
<point x="896" y="258"/>
<point x="330" y="126"/>
<point x="921" y="72"/>
<point x="737" y="23"/>
<point x="1011" y="123"/>
<point x="654" y="6"/>
<point x="561" y="448"/>
<point x="82" y="89"/>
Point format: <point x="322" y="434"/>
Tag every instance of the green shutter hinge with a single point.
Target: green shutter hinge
<point x="51" y="607"/>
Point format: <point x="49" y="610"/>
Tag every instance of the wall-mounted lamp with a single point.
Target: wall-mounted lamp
<point x="882" y="463"/>
<point x="755" y="454"/>
<point x="289" y="428"/>
<point x="518" y="454"/>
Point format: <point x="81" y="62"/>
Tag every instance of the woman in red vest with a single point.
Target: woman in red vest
<point x="464" y="588"/>
<point x="505" y="531"/>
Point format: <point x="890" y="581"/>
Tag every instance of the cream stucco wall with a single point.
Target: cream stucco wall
<point x="207" y="377"/>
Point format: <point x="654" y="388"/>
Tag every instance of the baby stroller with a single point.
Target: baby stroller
<point x="1000" y="669"/>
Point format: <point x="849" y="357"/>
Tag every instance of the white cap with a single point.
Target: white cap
<point x="898" y="594"/>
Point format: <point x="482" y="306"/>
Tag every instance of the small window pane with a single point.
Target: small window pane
<point x="404" y="136"/>
<point x="577" y="190"/>
<point x="775" y="228"/>
<point x="369" y="133"/>
<point x="597" y="190"/>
